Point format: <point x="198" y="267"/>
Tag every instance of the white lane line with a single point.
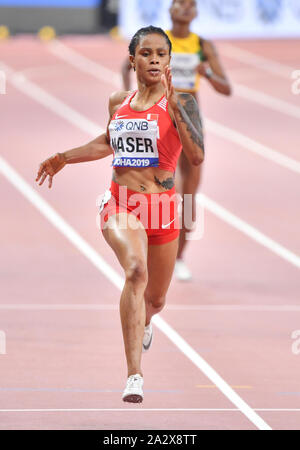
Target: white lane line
<point x="32" y="196"/>
<point x="256" y="308"/>
<point x="141" y="409"/>
<point x="266" y="100"/>
<point x="84" y="64"/>
<point x="74" y="58"/>
<point x="58" y="222"/>
<point x="248" y="230"/>
<point x="137" y="409"/>
<point x="102" y="73"/>
<point x="58" y="307"/>
<point x="26" y="190"/>
<point x="250" y="144"/>
<point x="44" y="71"/>
<point x="243" y="73"/>
<point x="19" y="81"/>
<point x="260" y="62"/>
<point x="113" y="307"/>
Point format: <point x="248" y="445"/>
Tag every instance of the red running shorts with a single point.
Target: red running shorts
<point x="157" y="212"/>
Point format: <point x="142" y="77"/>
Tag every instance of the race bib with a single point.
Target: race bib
<point x="183" y="66"/>
<point x="134" y="142"/>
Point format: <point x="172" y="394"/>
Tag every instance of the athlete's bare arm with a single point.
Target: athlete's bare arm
<point x="185" y="112"/>
<point x="189" y="107"/>
<point x="115" y="101"/>
<point x="100" y="147"/>
<point x="217" y="78"/>
<point x="188" y="115"/>
<point x="96" y="149"/>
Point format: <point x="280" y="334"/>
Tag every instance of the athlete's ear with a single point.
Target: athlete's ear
<point x="132" y="61"/>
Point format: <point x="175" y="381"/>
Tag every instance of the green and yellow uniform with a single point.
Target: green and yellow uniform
<point x="187" y="53"/>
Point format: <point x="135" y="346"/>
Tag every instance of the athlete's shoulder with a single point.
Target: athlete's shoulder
<point x="170" y="36"/>
<point x="185" y="97"/>
<point x="209" y="48"/>
<point x="194" y="35"/>
<point x="116" y="99"/>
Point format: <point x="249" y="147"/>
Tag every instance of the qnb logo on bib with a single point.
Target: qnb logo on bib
<point x="134" y="142"/>
<point x="119" y="125"/>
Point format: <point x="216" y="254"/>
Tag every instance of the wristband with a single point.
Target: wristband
<point x="208" y="72"/>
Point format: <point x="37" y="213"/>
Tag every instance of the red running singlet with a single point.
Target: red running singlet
<point x="144" y="138"/>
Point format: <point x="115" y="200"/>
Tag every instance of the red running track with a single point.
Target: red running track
<point x="64" y="366"/>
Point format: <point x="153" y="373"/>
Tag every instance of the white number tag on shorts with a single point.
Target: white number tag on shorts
<point x="106" y="197"/>
<point x="134" y="142"/>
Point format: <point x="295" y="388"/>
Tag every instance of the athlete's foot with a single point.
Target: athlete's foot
<point x="133" y="393"/>
<point x="181" y="271"/>
<point x="148" y="338"/>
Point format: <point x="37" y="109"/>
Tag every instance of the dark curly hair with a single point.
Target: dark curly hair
<point x="143" y="32"/>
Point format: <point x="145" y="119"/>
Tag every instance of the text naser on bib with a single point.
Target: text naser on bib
<point x="134" y="142"/>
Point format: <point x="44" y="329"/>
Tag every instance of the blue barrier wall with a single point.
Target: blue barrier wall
<point x="66" y="16"/>
<point x="51" y="3"/>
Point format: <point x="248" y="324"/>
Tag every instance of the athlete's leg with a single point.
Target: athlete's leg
<point x="130" y="247"/>
<point x="161" y="261"/>
<point x="189" y="179"/>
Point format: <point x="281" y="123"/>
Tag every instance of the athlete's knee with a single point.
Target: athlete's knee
<point x="136" y="270"/>
<point x="156" y="301"/>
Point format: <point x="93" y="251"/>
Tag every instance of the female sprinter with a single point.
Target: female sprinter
<point x="192" y="57"/>
<point x="147" y="130"/>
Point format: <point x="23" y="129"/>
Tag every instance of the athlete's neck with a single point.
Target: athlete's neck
<point x="148" y="94"/>
<point x="180" y="30"/>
